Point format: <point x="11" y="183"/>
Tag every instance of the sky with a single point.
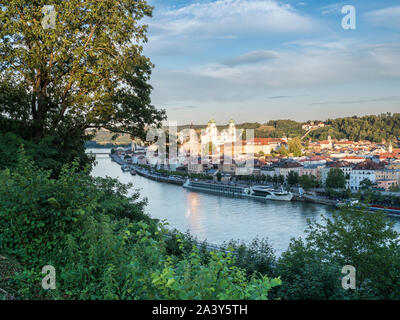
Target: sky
<point x="261" y="60"/>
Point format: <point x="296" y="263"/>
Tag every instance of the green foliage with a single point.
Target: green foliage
<point x="105" y="138"/>
<point x="335" y="179"/>
<point x="274" y="129"/>
<point x="292" y="178"/>
<point x="338" y="194"/>
<point x="295" y="147"/>
<point x="256" y="257"/>
<point x="283" y="151"/>
<point x="38" y="211"/>
<point x="366" y="184"/>
<point x="87" y="71"/>
<point x="308" y="182"/>
<point x="102" y="245"/>
<point x="49" y="153"/>
<point x="312" y="269"/>
<point x="366" y="241"/>
<point x="372" y="127"/>
<point x="307" y="274"/>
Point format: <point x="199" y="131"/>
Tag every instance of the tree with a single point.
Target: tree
<point x="306" y="274"/>
<point x="366" y="184"/>
<point x="283" y="151"/>
<point x="292" y="178"/>
<point x="311" y="268"/>
<point x="308" y="182"/>
<point x="85" y="71"/>
<point x="335" y="179"/>
<point x="366" y="241"/>
<point x="295" y="146"/>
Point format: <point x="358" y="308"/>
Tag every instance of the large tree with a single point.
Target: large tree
<point x="295" y="146"/>
<point x="335" y="179"/>
<point x="83" y="70"/>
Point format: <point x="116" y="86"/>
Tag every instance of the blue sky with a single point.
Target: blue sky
<point x="257" y="60"/>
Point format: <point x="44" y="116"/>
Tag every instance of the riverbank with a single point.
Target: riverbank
<point x="158" y="177"/>
<point x="180" y="181"/>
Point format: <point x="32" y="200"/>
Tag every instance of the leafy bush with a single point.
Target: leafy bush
<point x="311" y="269"/>
<point x="102" y="245"/>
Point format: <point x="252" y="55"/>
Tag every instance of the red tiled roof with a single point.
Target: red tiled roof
<point x="352" y="158"/>
<point x="288" y="165"/>
<point x="344" y="142"/>
<point x="340" y="164"/>
<point x="368" y="165"/>
<point x="263" y="141"/>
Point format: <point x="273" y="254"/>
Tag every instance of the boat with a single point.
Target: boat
<point x="133" y="172"/>
<point x="214" y="187"/>
<point x="230" y="189"/>
<point x="125" y="168"/>
<point x="372" y="207"/>
<point x="388" y="209"/>
<point x="349" y="202"/>
<point x="270" y="194"/>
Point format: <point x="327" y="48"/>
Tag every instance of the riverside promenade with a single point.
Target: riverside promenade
<point x="180" y="181"/>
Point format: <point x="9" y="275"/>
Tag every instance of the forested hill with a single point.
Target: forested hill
<point x="372" y="127"/>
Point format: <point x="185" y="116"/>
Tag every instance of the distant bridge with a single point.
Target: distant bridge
<point x="308" y="131"/>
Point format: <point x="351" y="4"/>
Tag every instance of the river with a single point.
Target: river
<point x="217" y="218"/>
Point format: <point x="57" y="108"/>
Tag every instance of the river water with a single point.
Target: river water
<point x="217" y="218"/>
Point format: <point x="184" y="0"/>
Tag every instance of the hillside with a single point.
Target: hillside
<point x="372" y="127"/>
<point x="104" y="138"/>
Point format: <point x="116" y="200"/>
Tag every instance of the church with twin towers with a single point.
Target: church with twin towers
<point x="211" y="134"/>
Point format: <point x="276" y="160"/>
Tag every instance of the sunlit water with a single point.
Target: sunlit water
<point x="217" y="218"/>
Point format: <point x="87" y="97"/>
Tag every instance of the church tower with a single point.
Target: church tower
<point x="232" y="131"/>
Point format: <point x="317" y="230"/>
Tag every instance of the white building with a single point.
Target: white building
<point x="364" y="170"/>
<point x="346" y="168"/>
<point x="212" y="135"/>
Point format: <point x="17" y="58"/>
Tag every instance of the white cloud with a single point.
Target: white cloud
<point x="332" y="8"/>
<point x="387" y="17"/>
<point x="221" y="83"/>
<point x="229" y="18"/>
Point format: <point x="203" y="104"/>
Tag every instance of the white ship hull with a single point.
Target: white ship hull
<point x="287" y="197"/>
<point x="270" y="194"/>
<point x="260" y="193"/>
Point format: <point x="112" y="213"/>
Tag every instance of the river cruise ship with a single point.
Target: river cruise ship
<point x="256" y="192"/>
<point x="269" y="193"/>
